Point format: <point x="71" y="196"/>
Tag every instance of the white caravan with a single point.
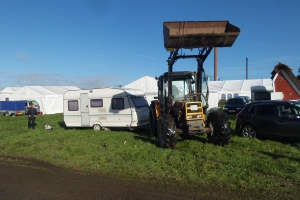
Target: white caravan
<point x="106" y="108"/>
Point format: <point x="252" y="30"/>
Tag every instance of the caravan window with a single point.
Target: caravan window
<point x="139" y="102"/>
<point x="117" y="103"/>
<point x="96" y="102"/>
<point x="72" y="105"/>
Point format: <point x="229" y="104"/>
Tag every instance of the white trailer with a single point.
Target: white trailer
<point x="106" y="108"/>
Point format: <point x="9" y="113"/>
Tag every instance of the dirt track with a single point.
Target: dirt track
<point x="29" y="179"/>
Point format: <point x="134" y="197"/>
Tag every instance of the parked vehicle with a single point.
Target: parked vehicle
<point x="182" y="103"/>
<point x="295" y="102"/>
<point x="234" y="105"/>
<point x="15" y="108"/>
<point x="273" y="119"/>
<point x="247" y="99"/>
<point x="105" y="108"/>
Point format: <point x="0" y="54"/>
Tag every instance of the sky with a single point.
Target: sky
<point x="100" y="43"/>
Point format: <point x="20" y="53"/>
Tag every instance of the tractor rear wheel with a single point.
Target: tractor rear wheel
<point x="220" y="128"/>
<point x="166" y="132"/>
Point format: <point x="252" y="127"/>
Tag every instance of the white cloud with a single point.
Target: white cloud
<point x="55" y="79"/>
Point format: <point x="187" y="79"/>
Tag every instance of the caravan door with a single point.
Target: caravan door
<point x="84" y="107"/>
<point x="140" y="111"/>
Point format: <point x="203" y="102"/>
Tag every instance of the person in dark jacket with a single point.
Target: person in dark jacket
<point x="31" y="116"/>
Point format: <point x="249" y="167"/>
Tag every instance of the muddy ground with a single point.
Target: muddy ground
<point x="30" y="179"/>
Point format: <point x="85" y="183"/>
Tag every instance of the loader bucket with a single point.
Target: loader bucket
<point x="199" y="34"/>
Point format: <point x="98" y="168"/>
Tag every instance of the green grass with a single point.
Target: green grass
<point x="248" y="168"/>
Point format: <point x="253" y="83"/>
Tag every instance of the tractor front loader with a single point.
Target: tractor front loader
<point x="181" y="107"/>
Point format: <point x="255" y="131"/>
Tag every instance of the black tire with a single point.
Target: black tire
<point x="220" y="128"/>
<point x="152" y="122"/>
<point x="166" y="132"/>
<point x="248" y="131"/>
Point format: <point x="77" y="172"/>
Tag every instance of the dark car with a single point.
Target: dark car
<point x="295" y="102"/>
<point x="247" y="99"/>
<point x="234" y="105"/>
<point x="271" y="119"/>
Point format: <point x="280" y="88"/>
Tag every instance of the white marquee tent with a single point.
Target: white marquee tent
<point x="147" y="84"/>
<point x="231" y="88"/>
<point x="50" y="98"/>
<point x="8" y="91"/>
<point x="217" y="89"/>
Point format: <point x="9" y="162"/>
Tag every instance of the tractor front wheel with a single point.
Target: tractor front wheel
<point x="166" y="132"/>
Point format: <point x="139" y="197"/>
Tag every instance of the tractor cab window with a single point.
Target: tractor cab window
<point x="178" y="89"/>
<point x="204" y="89"/>
<point x="182" y="87"/>
<point x="204" y="85"/>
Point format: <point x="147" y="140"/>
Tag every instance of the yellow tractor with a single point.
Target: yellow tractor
<point x="182" y="103"/>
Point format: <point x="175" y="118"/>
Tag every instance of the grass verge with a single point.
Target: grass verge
<point x="251" y="168"/>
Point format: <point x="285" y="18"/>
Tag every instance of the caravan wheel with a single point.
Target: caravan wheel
<point x="97" y="127"/>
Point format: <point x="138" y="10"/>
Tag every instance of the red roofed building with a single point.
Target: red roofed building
<point x="285" y="81"/>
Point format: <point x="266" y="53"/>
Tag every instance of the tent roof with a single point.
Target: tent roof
<point x="61" y="89"/>
<point x="146" y="83"/>
<point x="48" y="90"/>
<point x="238" y="85"/>
<point x="9" y="90"/>
<point x="40" y="89"/>
<point x="149" y="85"/>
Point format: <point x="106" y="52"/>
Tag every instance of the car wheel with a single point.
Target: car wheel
<point x="248" y="131"/>
<point x="97" y="127"/>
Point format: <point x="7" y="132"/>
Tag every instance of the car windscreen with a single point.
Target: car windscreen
<point x="247" y="99"/>
<point x="139" y="102"/>
<point x="297" y="104"/>
<point x="235" y="101"/>
<point x="33" y="102"/>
